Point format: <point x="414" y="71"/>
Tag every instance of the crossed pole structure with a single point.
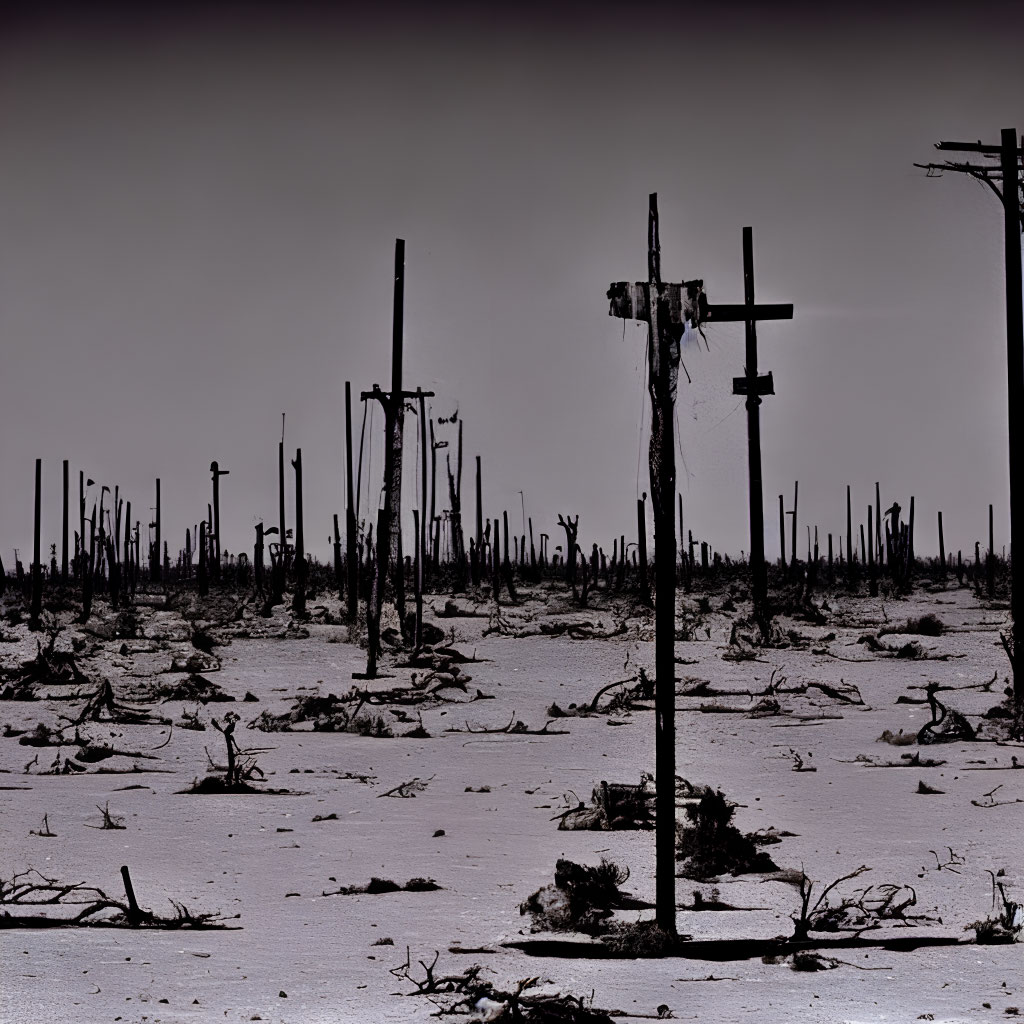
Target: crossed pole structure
<point x="667" y="309"/>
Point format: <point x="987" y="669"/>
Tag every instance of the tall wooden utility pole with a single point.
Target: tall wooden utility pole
<point x="64" y="530"/>
<point x="37" y="568"/>
<point x="157" y="564"/>
<point x="753" y="385"/>
<point x="421" y="528"/>
<point x="1004" y="179"/>
<point x="666" y="308"/>
<point x="351" y="560"/>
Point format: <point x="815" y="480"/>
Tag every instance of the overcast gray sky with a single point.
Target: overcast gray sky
<point x="198" y="215"/>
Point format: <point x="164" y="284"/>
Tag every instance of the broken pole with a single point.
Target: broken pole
<point x="942" y="550"/>
<point x="299" y="598"/>
<point x="418" y="579"/>
<point x="879" y="546"/>
<point x="782" y="532"/>
<point x="338" y="575"/>
<point x="872" y="570"/>
<point x="64" y="531"/>
<point x="850" y="567"/>
<point x="991" y="556"/>
<point x="134" y="914"/>
<point x="480" y="510"/>
<point x="796" y="494"/>
<point x="201" y="577"/>
<point x="37" y="568"/>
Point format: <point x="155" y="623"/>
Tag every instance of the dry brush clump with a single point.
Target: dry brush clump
<point x="708" y="844"/>
<point x="1005" y="924"/>
<point x="468" y="993"/>
<point x="581" y="898"/>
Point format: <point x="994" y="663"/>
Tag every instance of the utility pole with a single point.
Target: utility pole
<point x="64" y="531"/>
<point x="37" y="569"/>
<point x="667" y="308"/>
<point x="1004" y="179"/>
<point x="753" y="386"/>
<point x="351" y="561"/>
<point x="156" y="566"/>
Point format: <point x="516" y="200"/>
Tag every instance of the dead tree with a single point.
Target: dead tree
<point x="571" y="527"/>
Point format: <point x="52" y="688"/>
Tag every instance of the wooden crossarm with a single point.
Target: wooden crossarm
<point x="684" y="301"/>
<point x="764" y="384"/>
<point x="720" y="313"/>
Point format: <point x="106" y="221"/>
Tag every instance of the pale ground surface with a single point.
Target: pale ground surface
<point x="225" y="852"/>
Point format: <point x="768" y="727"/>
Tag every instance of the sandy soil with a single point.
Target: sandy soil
<point x="302" y="956"/>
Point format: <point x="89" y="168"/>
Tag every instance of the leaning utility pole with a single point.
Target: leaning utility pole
<point x="1007" y="173"/>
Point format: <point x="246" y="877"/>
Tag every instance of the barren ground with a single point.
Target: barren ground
<point x="300" y="956"/>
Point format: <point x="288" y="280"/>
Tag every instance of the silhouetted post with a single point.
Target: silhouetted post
<point x="796" y="494"/>
<point x="754" y="386"/>
<point x="80" y="553"/>
<point x="339" y="581"/>
<point x="910" y="540"/>
<point x="129" y="572"/>
<point x="422" y="400"/>
<point x="533" y="551"/>
<point x="217" y="473"/>
<point x="299" y="598"/>
<point x="134" y="914"/>
<point x="157" y="567"/>
<point x="393" y="452"/>
<point x="64" y="530"/>
<point x="496" y="561"/>
<point x="257" y="559"/>
<point x="831" y="569"/>
<point x="878" y="524"/>
<point x="418" y="636"/>
<point x="480" y="510"/>
<point x="202" y="578"/>
<point x="282" y="562"/>
<point x="872" y="571"/>
<point x="37" y="568"/>
<point x="782" y="532"/>
<point x="1009" y="163"/>
<point x="1008" y="174"/>
<point x="641" y="537"/>
<point x="656" y="303"/>
<point x="991" y="556"/>
<point x="850" y="567"/>
<point x="942" y="550"/>
<point x="351" y="558"/>
<point x="434" y="445"/>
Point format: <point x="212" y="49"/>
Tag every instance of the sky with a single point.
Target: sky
<point x="199" y="205"/>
